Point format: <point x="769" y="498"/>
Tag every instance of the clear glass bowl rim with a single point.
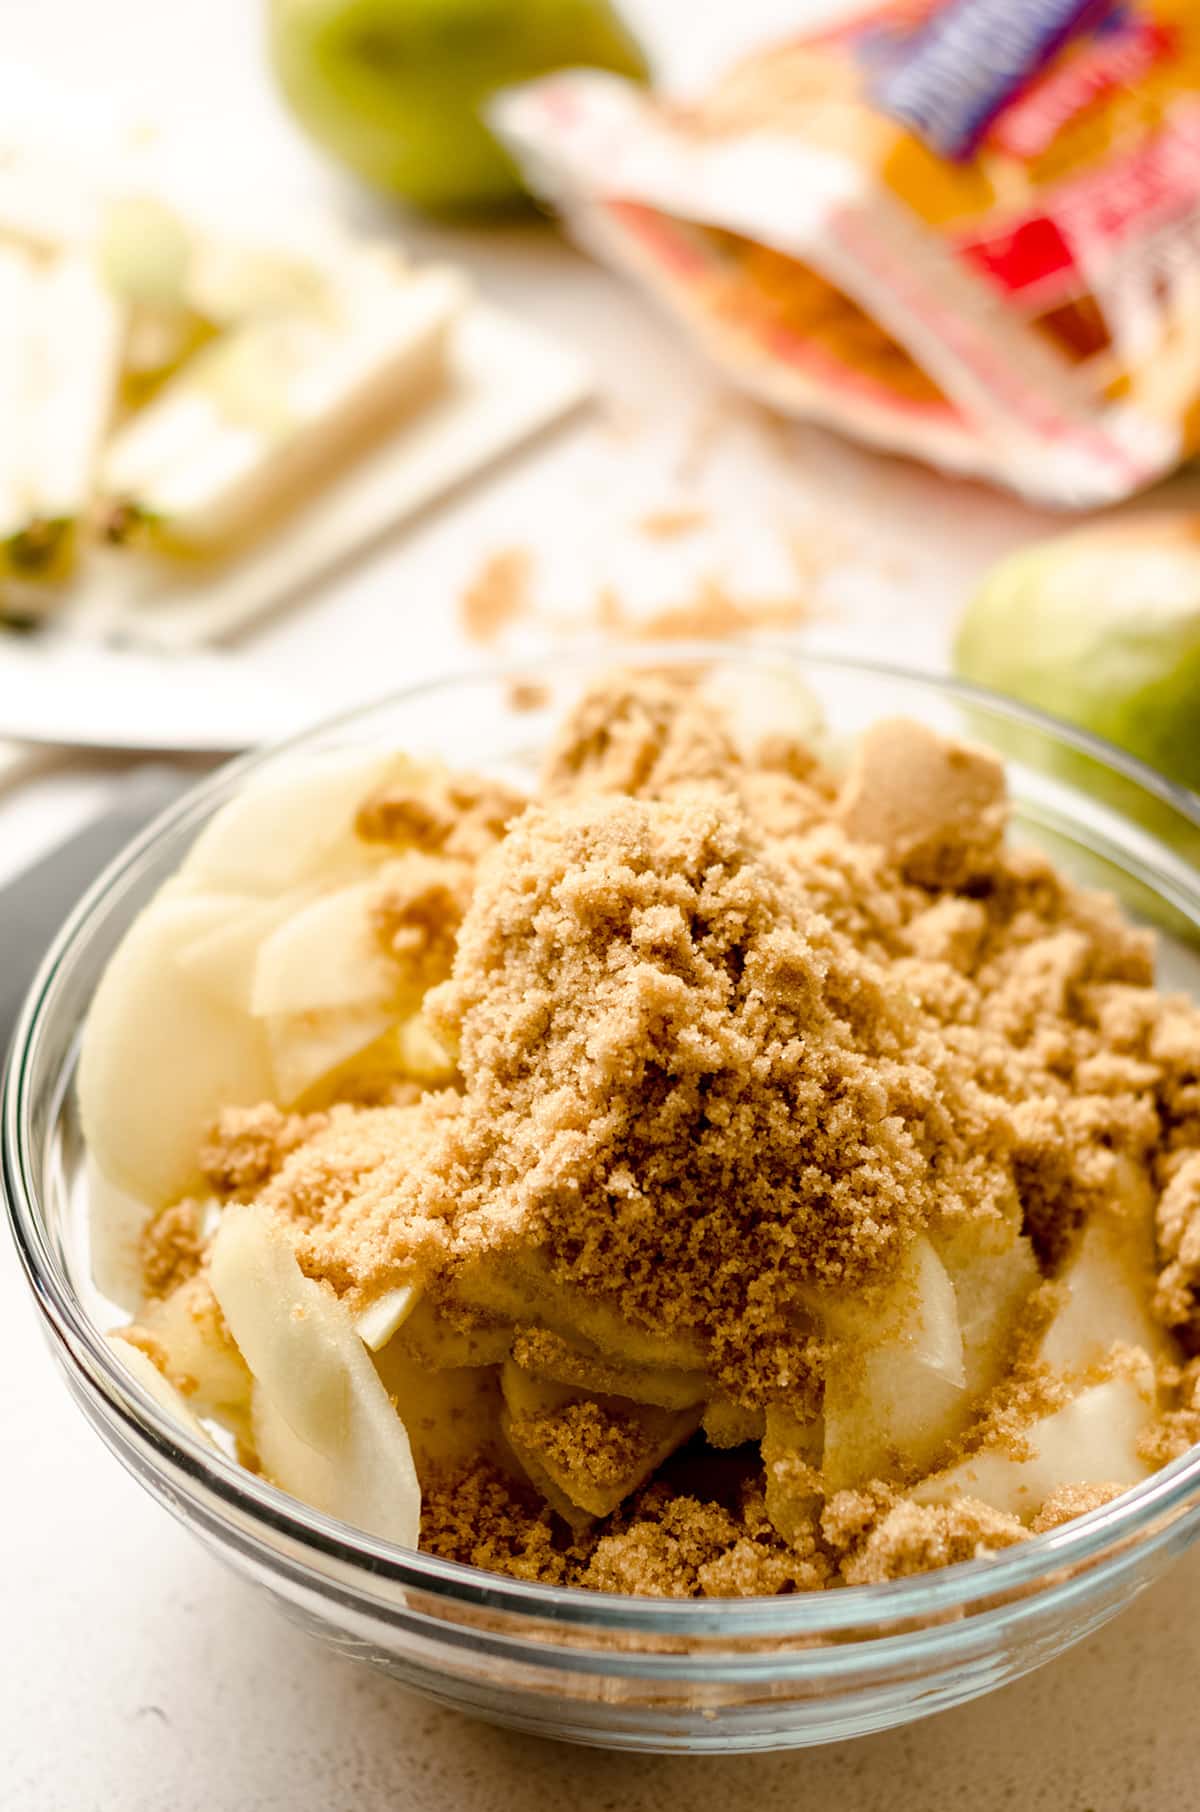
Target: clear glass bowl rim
<point x="950" y="1592"/>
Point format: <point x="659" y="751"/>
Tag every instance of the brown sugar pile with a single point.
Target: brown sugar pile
<point x="723" y="1029"/>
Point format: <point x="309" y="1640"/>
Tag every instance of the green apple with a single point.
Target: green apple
<point x="396" y="88"/>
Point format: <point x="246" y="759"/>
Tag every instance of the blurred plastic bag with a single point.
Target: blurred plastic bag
<point x="967" y="230"/>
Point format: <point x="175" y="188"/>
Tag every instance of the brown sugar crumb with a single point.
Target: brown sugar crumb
<point x="671" y="524"/>
<point x="916" y="1538"/>
<point x="636" y="735"/>
<point x="1179" y="1242"/>
<point x="417" y="912"/>
<point x="344" y="1190"/>
<point x="440" y="813"/>
<point x="662" y="1544"/>
<point x="249" y="1144"/>
<point x="498" y="596"/>
<point x="718" y="615"/>
<point x="681" y="1547"/>
<point x="1070" y="1501"/>
<point x="596" y="1446"/>
<point x="937" y="809"/>
<point x="172" y="1246"/>
<point x="482" y="1517"/>
<point x="527" y="695"/>
<point x="1178" y="1428"/>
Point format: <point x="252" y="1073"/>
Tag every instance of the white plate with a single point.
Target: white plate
<point x="507" y="383"/>
<point x="73" y="695"/>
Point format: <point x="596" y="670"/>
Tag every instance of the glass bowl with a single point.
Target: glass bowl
<point x="623" y="1672"/>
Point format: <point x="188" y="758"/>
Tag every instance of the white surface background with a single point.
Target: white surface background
<point x="136" y="1675"/>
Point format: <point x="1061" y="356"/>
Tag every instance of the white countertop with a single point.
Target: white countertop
<point x="139" y="1677"/>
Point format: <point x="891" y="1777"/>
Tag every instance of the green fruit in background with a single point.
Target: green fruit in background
<point x="1102" y="627"/>
<point x="396" y="88"/>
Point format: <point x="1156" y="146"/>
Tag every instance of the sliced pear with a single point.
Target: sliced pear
<point x="892" y="1400"/>
<point x="421" y="1056"/>
<point x="290" y="826"/>
<point x="524" y="1290"/>
<point x="325" y="955"/>
<point x="376" y="1324"/>
<point x="1092" y="1441"/>
<point x="305" y="1047"/>
<point x="161" y="1389"/>
<point x="223" y="961"/>
<point x="526" y="1395"/>
<point x="580" y="1367"/>
<point x="323" y="1422"/>
<point x="1109" y="1283"/>
<point x="434" y="1342"/>
<point x="161" y="1058"/>
<point x="729" y="1424"/>
<point x="451" y="1415"/>
<point x="116" y="1221"/>
<point x="918" y="1314"/>
<point x="188" y="1327"/>
<point x="990" y="1291"/>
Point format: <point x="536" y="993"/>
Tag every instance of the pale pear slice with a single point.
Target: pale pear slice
<point x="161" y="1058"/>
<point x="323" y="1422"/>
<point x="159" y="1388"/>
<point x="451" y="1415"/>
<point x="918" y="1315"/>
<point x="547" y="1355"/>
<point x="326" y="954"/>
<point x="886" y="1416"/>
<point x="223" y="961"/>
<point x="526" y="1395"/>
<point x="1109" y="1283"/>
<point x="524" y="1290"/>
<point x="188" y="1327"/>
<point x="376" y="1324"/>
<point x="422" y="1056"/>
<point x="436" y="1343"/>
<point x="991" y="1289"/>
<point x="1092" y="1441"/>
<point x="116" y="1221"/>
<point x="305" y="1047"/>
<point x="290" y="826"/>
<point x="892" y="1403"/>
